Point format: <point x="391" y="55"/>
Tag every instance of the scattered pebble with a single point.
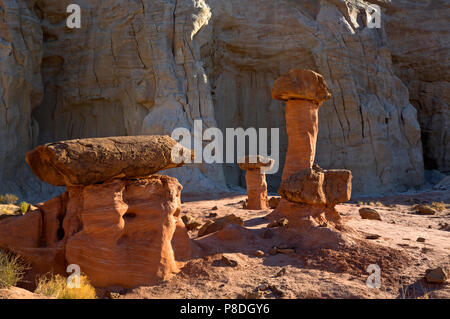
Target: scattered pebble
<point x="275" y="250"/>
<point x="421" y="240"/>
<point x="276" y="291"/>
<point x="436" y="276"/>
<point x="258" y="253"/>
<point x="283" y="222"/>
<point x="424" y="210"/>
<point x="373" y="236"/>
<point x="229" y="261"/>
<point x="190" y="222"/>
<point x="219" y="223"/>
<point x="369" y="213"/>
<point x="251" y="295"/>
<point x="274" y="201"/>
<point x="263" y="287"/>
<point x="285" y="250"/>
<point x="282" y="272"/>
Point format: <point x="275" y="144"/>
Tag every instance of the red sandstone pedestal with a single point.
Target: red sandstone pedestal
<point x="256" y="166"/>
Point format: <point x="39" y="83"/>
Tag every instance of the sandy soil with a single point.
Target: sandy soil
<point x="320" y="273"/>
<point x="19" y="293"/>
<point x="313" y="274"/>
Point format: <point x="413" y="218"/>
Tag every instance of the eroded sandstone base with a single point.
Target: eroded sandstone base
<point x="120" y="233"/>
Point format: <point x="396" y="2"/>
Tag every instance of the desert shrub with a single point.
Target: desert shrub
<point x="24" y="207"/>
<point x="12" y="269"/>
<point x="56" y="286"/>
<point x="2" y="199"/>
<point x="438" y="206"/>
<point x="10" y="198"/>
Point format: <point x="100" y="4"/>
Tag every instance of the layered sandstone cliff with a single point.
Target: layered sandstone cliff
<point x="368" y="126"/>
<point x="419" y="40"/>
<point x="148" y="67"/>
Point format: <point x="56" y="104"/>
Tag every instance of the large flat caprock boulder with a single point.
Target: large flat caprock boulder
<point x="94" y="160"/>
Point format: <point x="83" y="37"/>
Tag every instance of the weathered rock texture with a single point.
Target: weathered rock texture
<point x="308" y="202"/>
<point x="146" y="67"/>
<point x="304" y="91"/>
<point x="255" y="167"/>
<point x="317" y="187"/>
<point x="115" y="221"/>
<point x="95" y="160"/>
<point x="419" y="38"/>
<point x="127" y="229"/>
<point x="21" y="91"/>
<point x="219" y="223"/>
<point x="309" y="194"/>
<point x="369" y="125"/>
<point x="122" y="232"/>
<point x="133" y="68"/>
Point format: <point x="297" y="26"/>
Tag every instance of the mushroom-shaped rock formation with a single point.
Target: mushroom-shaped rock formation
<point x="255" y="167"/>
<point x="309" y="193"/>
<point x="94" y="160"/>
<point x="122" y="230"/>
<point x="304" y="91"/>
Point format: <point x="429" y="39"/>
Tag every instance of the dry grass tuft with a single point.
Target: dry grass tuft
<point x="56" y="286"/>
<point x="439" y="206"/>
<point x="8" y="199"/>
<point x="12" y="269"/>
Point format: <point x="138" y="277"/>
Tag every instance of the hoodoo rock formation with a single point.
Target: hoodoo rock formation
<point x="256" y="166"/>
<point x="369" y="124"/>
<point x="147" y="67"/>
<point x="118" y="222"/>
<point x="303" y="91"/>
<point x="308" y="193"/>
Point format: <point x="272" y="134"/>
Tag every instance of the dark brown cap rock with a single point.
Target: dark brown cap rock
<point x="301" y="85"/>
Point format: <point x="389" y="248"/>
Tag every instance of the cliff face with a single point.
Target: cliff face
<point x="147" y="67"/>
<point x="369" y="126"/>
<point x="419" y="39"/>
<point x="133" y="68"/>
